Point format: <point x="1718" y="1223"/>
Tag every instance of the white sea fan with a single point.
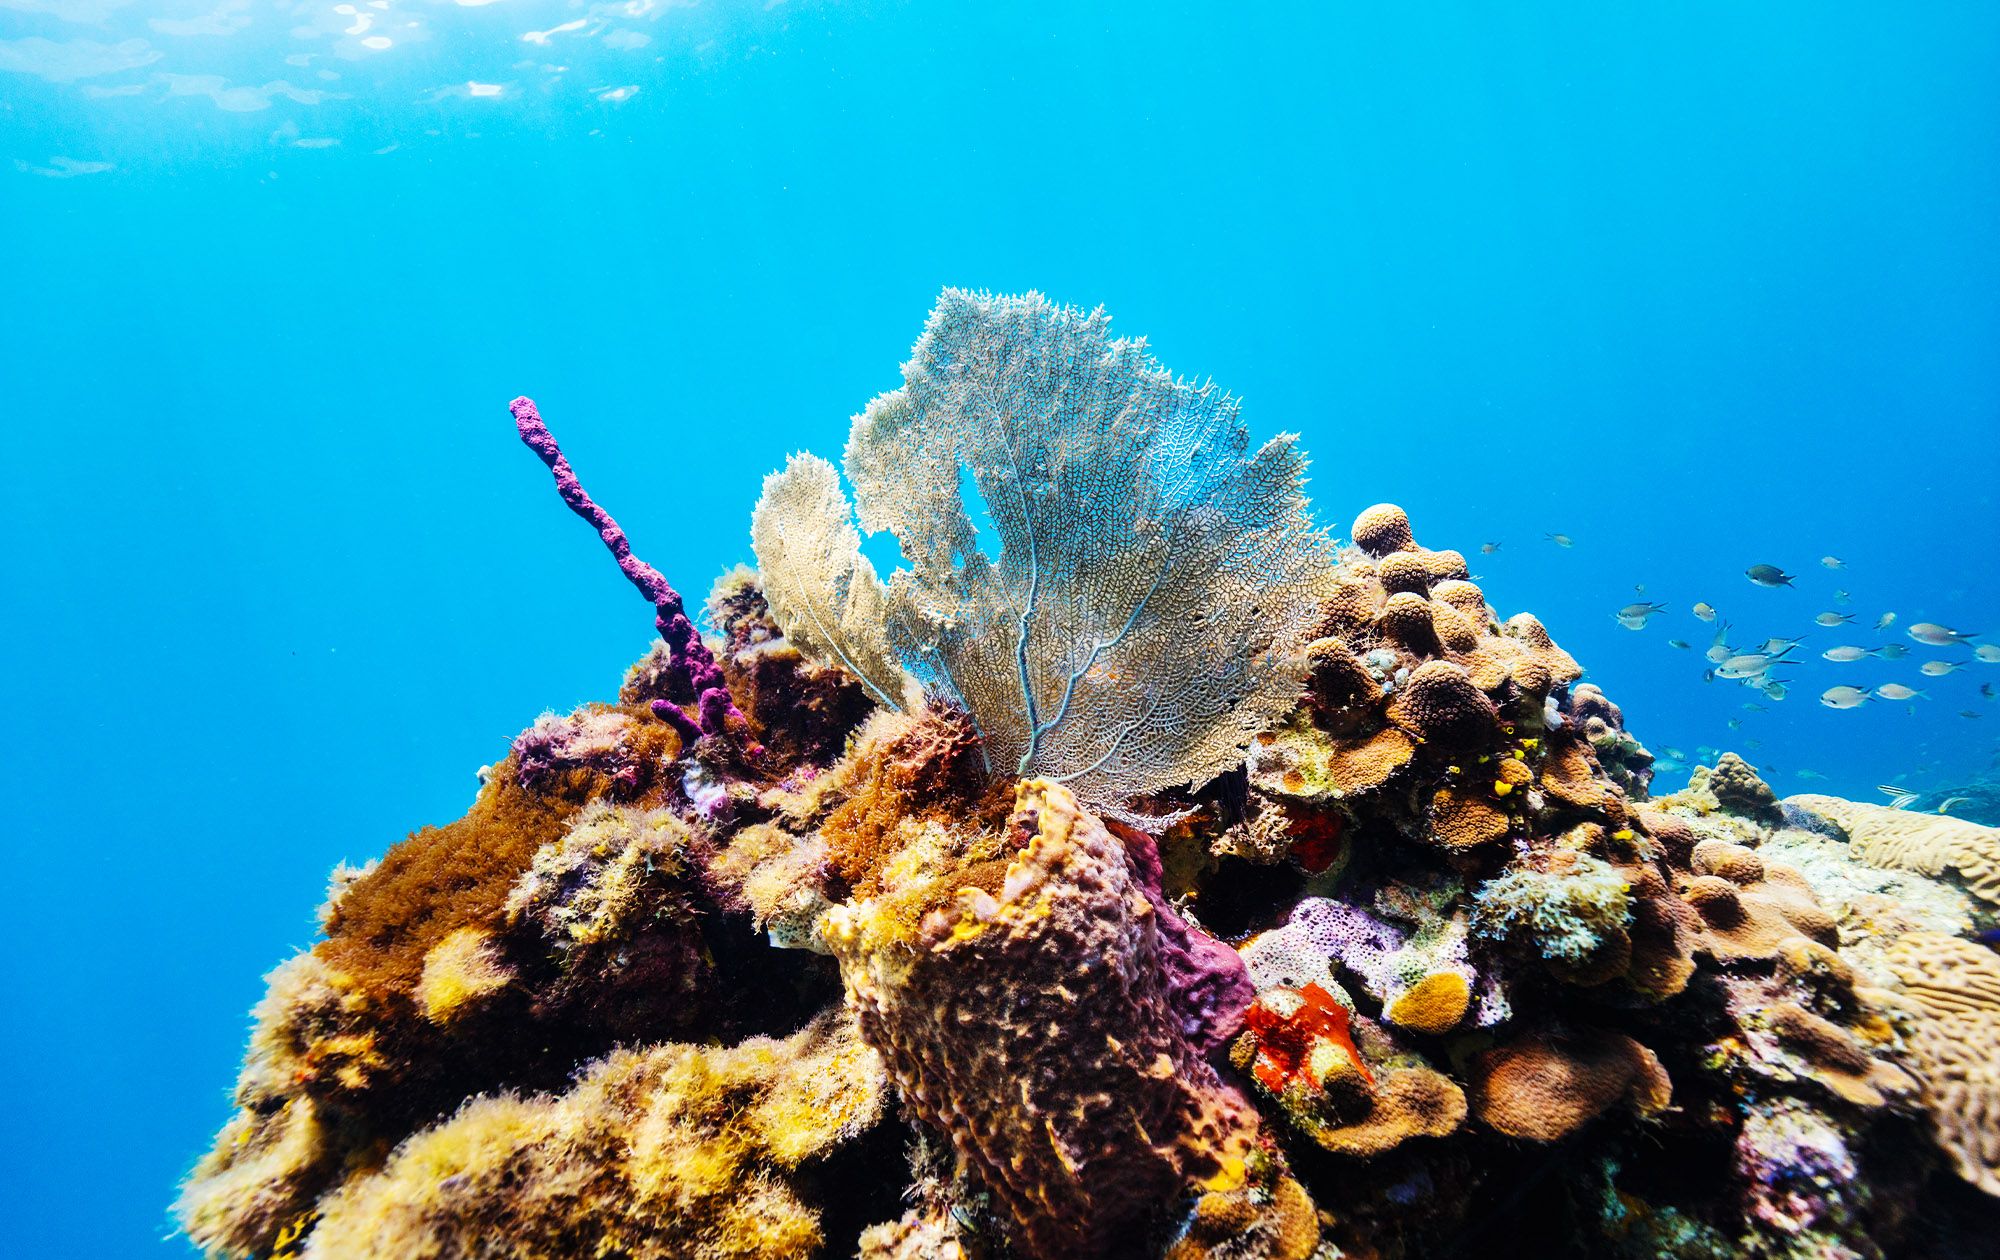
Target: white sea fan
<point x="1155" y="578"/>
<point x="821" y="590"/>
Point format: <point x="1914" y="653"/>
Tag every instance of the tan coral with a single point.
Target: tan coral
<point x="1543" y="1088"/>
<point x="1439" y="706"/>
<point x="1929" y="844"/>
<point x="1461" y="821"/>
<point x="1382" y="529"/>
<point x="1466" y="598"/>
<point x="1954" y="987"/>
<point x="1404" y="571"/>
<point x="1405" y="621"/>
<point x="1364" y="765"/>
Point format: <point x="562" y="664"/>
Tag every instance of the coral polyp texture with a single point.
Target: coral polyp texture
<point x="1174" y="883"/>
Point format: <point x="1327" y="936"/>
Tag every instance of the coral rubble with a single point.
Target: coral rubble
<point x="1175" y="884"/>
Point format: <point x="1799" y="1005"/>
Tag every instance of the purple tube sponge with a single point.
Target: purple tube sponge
<point x="714" y="709"/>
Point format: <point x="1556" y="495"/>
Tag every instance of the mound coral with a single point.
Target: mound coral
<point x="1929" y="844"/>
<point x="1171" y="885"/>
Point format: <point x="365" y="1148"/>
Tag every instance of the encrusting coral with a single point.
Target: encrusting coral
<point x="1173" y="884"/>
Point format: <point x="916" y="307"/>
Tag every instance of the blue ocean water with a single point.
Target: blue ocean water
<point x="1696" y="287"/>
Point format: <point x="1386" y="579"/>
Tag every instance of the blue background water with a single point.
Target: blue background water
<point x="1700" y="288"/>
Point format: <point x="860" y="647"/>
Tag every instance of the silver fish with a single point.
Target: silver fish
<point x="1939" y="636"/>
<point x="1846" y="653"/>
<point x="1892" y="651"/>
<point x="1884" y="621"/>
<point x="1561" y="540"/>
<point x="1488" y="549"/>
<point x="1705" y="611"/>
<point x="1810" y="775"/>
<point x="1768" y="575"/>
<point x="1843" y="697"/>
<point x="1842" y="597"/>
<point x="1944" y="806"/>
<point x="1675" y="753"/>
<point x="1774" y="688"/>
<point x="1779" y="645"/>
<point x="1833" y="562"/>
<point x="1634" y="616"/>
<point x="1755" y="708"/>
<point x="1831" y="619"/>
<point x="1987" y="653"/>
<point x="1897" y="691"/>
<point x="1718" y="647"/>
<point x="1938" y="669"/>
<point x="1746" y="665"/>
<point x="1682" y="644"/>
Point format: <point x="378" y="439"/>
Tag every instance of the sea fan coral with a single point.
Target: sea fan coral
<point x="1154" y="580"/>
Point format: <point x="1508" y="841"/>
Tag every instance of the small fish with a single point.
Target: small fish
<point x="1735" y="724"/>
<point x="1811" y="776"/>
<point x="1634" y="616"/>
<point x="1938" y="669"/>
<point x="1705" y="611"/>
<point x="1488" y="549"/>
<point x="1754" y="707"/>
<point x="1892" y="651"/>
<point x="1745" y="665"/>
<point x="1899" y="798"/>
<point x="1780" y="645"/>
<point x="1843" y="697"/>
<point x="1718" y="647"/>
<point x="1833" y="562"/>
<point x="1768" y="575"/>
<point x="1831" y="619"/>
<point x="1561" y="540"/>
<point x="1675" y="753"/>
<point x="1939" y="636"/>
<point x="1775" y="688"/>
<point x="1682" y="644"/>
<point x="1842" y="597"/>
<point x="1846" y="653"/>
<point x="1968" y="713"/>
<point x="1986" y="689"/>
<point x="1884" y="621"/>
<point x="1944" y="806"/>
<point x="1897" y="691"/>
<point x="1755" y="743"/>
<point x="1708" y="675"/>
<point x="1987" y="653"/>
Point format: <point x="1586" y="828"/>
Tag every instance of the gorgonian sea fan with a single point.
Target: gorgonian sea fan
<point x="1155" y="577"/>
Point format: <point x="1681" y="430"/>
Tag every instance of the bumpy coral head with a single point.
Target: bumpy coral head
<point x="1382" y="529"/>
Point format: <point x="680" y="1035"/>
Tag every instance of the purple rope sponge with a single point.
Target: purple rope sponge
<point x="691" y="656"/>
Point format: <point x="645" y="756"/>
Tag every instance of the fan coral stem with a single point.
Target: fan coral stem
<point x="713" y="705"/>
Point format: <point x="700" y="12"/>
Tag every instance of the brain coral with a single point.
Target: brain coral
<point x="1954" y="986"/>
<point x="1930" y="844"/>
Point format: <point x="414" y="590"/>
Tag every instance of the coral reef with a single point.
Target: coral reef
<point x="1174" y="885"/>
